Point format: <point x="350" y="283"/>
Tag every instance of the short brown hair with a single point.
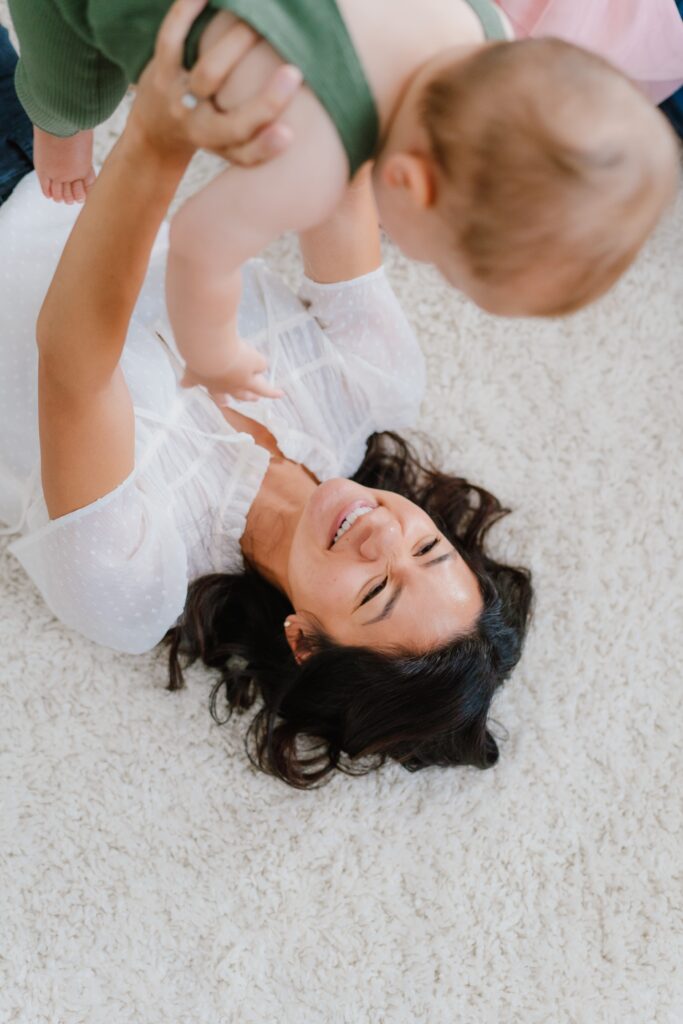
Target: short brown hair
<point x="548" y="157"/>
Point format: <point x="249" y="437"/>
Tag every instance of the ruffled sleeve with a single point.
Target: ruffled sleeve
<point x="115" y="571"/>
<point x="364" y="320"/>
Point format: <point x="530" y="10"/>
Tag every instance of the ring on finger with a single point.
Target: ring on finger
<point x="189" y="100"/>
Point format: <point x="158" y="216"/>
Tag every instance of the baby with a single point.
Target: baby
<point x="528" y="172"/>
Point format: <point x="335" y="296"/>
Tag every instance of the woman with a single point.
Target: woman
<point x="350" y="591"/>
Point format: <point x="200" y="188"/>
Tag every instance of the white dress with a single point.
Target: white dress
<point x="118" y="570"/>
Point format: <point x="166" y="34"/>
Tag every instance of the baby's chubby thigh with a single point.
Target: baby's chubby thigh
<point x="311" y="176"/>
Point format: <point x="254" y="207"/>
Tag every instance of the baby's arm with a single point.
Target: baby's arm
<point x="347" y="244"/>
<point x="232" y="219"/>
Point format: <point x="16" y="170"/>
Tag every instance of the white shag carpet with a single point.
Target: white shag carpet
<point x="149" y="875"/>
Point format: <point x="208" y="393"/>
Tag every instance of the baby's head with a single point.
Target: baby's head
<point x="530" y="173"/>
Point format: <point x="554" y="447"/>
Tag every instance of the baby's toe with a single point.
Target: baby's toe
<point x="67" y="193"/>
<point x="78" y="190"/>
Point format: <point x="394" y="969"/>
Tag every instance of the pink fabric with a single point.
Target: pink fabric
<point x="644" y="38"/>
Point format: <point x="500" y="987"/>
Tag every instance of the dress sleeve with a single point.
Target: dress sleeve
<point x="365" y="322"/>
<point x="115" y="571"/>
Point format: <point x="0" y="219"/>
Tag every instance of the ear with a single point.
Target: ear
<point x="297" y="633"/>
<point x="413" y="174"/>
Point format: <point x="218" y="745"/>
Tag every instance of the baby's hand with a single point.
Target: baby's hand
<point x="243" y="380"/>
<point x="64" y="166"/>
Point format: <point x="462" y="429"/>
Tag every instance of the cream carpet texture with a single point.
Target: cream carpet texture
<point x="150" y="876"/>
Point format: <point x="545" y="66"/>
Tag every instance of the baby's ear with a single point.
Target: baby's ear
<point x="298" y="635"/>
<point x="414" y="174"/>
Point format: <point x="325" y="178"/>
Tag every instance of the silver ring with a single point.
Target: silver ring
<point x="189" y="100"/>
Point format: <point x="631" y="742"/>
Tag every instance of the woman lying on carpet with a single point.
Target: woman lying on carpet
<point x="349" y="589"/>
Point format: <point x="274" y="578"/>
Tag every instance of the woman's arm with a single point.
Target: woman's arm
<point x="87" y="427"/>
<point x="347" y="244"/>
<point x="87" y="430"/>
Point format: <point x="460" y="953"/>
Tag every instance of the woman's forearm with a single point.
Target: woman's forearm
<point x="84" y="320"/>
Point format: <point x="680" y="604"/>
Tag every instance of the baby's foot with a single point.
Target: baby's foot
<point x="64" y="166"/>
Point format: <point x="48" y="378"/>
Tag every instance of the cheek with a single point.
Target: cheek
<point x="410" y="237"/>
<point x="393" y="217"/>
<point x="322" y="588"/>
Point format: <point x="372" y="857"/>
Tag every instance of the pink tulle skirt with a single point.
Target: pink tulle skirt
<point x="642" y="37"/>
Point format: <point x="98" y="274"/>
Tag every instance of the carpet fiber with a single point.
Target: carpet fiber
<point x="150" y="875"/>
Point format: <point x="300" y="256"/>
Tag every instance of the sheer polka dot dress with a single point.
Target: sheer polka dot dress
<point x="117" y="571"/>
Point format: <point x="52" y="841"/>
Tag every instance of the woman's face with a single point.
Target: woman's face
<point x="370" y="568"/>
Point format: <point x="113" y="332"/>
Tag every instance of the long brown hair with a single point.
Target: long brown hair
<point x="351" y="708"/>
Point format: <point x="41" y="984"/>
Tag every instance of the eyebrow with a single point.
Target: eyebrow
<point x="435" y="561"/>
<point x="389" y="606"/>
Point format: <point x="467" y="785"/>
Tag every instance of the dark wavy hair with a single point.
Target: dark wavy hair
<point x="352" y="708"/>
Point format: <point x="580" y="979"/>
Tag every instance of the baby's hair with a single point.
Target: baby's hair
<point x="547" y="157"/>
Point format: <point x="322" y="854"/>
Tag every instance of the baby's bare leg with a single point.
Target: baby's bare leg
<point x="235" y="217"/>
<point x="64" y="166"/>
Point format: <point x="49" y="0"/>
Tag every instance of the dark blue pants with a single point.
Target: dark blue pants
<point x="673" y="107"/>
<point x="16" y="133"/>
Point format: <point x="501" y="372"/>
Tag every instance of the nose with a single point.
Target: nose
<point x="381" y="538"/>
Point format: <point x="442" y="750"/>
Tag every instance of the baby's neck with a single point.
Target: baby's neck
<point x="396" y="39"/>
<point x="403" y="130"/>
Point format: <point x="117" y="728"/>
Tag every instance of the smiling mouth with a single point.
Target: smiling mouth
<point x="357" y="512"/>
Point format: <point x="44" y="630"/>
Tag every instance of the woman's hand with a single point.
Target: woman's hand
<point x="173" y="108"/>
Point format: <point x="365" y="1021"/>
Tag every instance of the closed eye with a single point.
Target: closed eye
<point x="427" y="547"/>
<point x="374" y="592"/>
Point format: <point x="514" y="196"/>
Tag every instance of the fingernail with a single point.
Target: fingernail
<point x="288" y="80"/>
<point x="277" y="137"/>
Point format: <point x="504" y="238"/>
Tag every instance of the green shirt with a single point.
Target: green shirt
<point x="79" y="56"/>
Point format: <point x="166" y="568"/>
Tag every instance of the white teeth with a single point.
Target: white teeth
<point x="348" y="522"/>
